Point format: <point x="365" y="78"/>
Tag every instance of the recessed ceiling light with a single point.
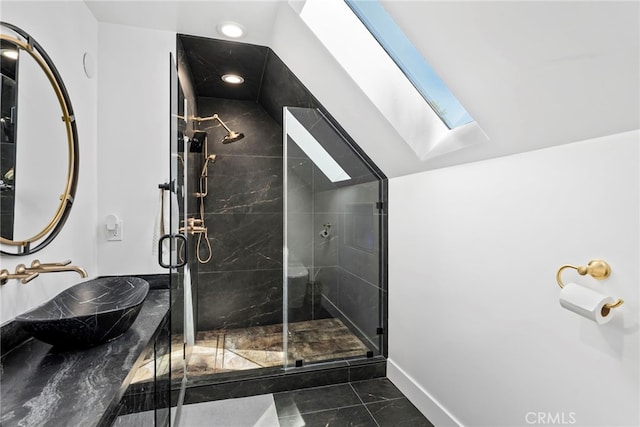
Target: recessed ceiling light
<point x="10" y="53"/>
<point x="234" y="79"/>
<point x="231" y="29"/>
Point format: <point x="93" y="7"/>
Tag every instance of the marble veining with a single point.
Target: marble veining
<point x="45" y="386"/>
<point x="237" y="299"/>
<point x="88" y="313"/>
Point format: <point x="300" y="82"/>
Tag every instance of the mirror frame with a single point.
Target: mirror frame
<point x="52" y="229"/>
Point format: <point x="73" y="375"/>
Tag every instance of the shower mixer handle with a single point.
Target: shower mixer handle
<point x="193" y="226"/>
<point x="196" y="229"/>
<point x="193" y="221"/>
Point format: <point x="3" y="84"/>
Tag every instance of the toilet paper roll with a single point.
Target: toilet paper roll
<point x="586" y="302"/>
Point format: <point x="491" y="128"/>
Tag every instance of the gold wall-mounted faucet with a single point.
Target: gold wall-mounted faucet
<point x="20" y="273"/>
<point x="27" y="274"/>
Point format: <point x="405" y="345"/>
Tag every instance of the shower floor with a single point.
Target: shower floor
<point x="255" y="347"/>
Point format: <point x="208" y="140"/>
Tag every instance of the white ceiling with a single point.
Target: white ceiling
<point x="532" y="74"/>
<point x="198" y="18"/>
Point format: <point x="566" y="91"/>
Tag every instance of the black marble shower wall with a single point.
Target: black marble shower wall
<point x="242" y="285"/>
<point x="194" y="163"/>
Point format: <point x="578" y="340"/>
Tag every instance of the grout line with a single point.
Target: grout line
<point x="364" y="404"/>
<point x="327" y="409"/>
<point x="312" y="388"/>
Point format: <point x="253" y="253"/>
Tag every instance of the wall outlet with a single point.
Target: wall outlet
<point x="113" y="228"/>
<point x="116" y="234"/>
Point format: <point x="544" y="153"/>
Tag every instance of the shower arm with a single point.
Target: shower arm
<point x="214" y="117"/>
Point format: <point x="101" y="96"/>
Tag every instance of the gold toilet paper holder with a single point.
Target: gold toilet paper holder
<point x="598" y="269"/>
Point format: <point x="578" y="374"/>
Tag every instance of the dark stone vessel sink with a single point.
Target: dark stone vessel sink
<point x="88" y="313"/>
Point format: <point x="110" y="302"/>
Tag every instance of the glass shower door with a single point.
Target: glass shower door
<point x="175" y="246"/>
<point x="333" y="275"/>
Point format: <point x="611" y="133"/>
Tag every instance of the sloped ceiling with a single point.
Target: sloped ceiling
<point x="209" y="59"/>
<point x="532" y="74"/>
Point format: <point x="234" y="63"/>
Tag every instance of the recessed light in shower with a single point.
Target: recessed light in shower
<point x="231" y="29"/>
<point x="234" y="79"/>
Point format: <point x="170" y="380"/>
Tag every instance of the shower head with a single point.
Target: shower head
<point x="231" y="136"/>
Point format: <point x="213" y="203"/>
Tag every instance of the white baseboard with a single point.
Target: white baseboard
<point x="422" y="400"/>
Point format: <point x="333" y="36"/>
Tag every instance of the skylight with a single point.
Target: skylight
<point x="410" y="61"/>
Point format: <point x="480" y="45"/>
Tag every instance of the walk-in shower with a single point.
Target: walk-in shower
<point x="293" y="215"/>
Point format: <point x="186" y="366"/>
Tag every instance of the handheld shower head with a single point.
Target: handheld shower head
<point x="212" y="159"/>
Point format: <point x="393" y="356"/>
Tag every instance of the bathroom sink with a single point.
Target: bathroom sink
<point x="88" y="313"/>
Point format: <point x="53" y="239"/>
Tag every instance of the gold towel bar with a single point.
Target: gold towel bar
<point x="597" y="268"/>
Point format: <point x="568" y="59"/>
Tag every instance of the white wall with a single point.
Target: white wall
<point x="476" y="333"/>
<point x="133" y="145"/>
<point x="74" y="33"/>
<point x="319" y="71"/>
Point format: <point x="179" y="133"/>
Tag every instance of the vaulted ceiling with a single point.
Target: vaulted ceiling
<point x="532" y="74"/>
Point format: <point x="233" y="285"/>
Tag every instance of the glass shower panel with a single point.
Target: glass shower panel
<point x="332" y="277"/>
<point x="182" y="329"/>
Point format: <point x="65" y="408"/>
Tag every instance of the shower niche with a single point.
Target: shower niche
<point x="295" y="218"/>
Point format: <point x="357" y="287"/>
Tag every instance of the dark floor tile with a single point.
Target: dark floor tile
<point x="376" y="390"/>
<point x="354" y="416"/>
<point x="398" y="413"/>
<point x="241" y="384"/>
<point x="315" y="399"/>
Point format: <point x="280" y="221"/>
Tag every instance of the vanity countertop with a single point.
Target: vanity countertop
<point x="41" y="386"/>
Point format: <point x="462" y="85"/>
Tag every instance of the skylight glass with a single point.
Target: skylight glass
<point x="314" y="150"/>
<point x="410" y="61"/>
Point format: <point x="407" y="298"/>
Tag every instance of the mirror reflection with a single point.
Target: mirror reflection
<point x="38" y="167"/>
<point x="8" y="90"/>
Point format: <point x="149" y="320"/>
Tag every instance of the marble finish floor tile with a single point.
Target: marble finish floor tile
<point x="255" y="347"/>
<point x="376" y="390"/>
<point x="354" y="416"/>
<point x="369" y="403"/>
<point x="315" y="399"/>
<point x="397" y="413"/>
<point x="253" y="411"/>
<point x="375" y="403"/>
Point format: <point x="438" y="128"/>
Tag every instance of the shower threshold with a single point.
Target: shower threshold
<point x="231" y="350"/>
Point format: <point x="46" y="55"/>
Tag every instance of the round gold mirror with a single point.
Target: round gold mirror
<point x="39" y="146"/>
